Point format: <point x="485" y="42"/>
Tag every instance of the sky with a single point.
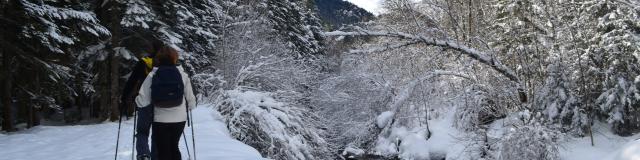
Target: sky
<point x="372" y="6"/>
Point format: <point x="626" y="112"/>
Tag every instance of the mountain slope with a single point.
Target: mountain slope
<point x="335" y="13"/>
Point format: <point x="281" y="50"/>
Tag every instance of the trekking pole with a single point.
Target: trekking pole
<point x="186" y="145"/>
<point x="118" y="137"/>
<point x="133" y="141"/>
<point x="193" y="137"/>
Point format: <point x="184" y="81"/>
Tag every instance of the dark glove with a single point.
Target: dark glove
<point x="122" y="107"/>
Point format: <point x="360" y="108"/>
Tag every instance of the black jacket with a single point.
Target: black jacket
<point x="133" y="84"/>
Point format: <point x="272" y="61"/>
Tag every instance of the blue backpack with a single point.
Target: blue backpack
<point x="167" y="89"/>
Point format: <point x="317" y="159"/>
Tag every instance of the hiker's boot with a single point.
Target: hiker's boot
<point x="144" y="157"/>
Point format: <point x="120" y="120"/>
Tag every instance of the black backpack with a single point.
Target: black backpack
<point x="167" y="89"/>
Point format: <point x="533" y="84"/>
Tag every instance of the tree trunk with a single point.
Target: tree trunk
<point x="31" y="109"/>
<point x="35" y="116"/>
<point x="80" y="103"/>
<point x="114" y="65"/>
<point x="29" y="116"/>
<point x="104" y="107"/>
<point x="7" y="117"/>
<point x="113" y="87"/>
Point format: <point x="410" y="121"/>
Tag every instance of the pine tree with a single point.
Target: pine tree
<point x="48" y="36"/>
<point x="557" y="101"/>
<point x="615" y="48"/>
<point x="137" y="14"/>
<point x="199" y="27"/>
<point x="298" y="24"/>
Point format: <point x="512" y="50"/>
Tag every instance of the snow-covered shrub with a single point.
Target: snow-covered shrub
<point x="349" y="104"/>
<point x="352" y="152"/>
<point x="268" y="109"/>
<point x="276" y="129"/>
<point x="383" y="119"/>
<point x="267" y="80"/>
<point x="529" y="139"/>
<point x="480" y="105"/>
<point x="403" y="143"/>
<point x="478" y="145"/>
<point x="208" y="85"/>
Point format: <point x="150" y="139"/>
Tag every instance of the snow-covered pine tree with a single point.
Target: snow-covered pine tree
<point x="336" y="13"/>
<point x="299" y="25"/>
<point x="616" y="49"/>
<point x="108" y="78"/>
<point x="201" y="39"/>
<point x="47" y="37"/>
<point x="557" y="101"/>
<point x="192" y="27"/>
<point x="137" y="13"/>
<point x="199" y="24"/>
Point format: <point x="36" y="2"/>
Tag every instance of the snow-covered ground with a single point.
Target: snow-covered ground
<point x="631" y="151"/>
<point x="446" y="139"/>
<point x="93" y="142"/>
<point x="606" y="146"/>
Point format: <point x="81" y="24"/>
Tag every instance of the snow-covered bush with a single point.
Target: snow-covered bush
<point x="277" y="129"/>
<point x="349" y="104"/>
<point x="403" y="143"/>
<point x="209" y="84"/>
<point x="266" y="79"/>
<point x="480" y="105"/>
<point x="267" y="108"/>
<point x="529" y="138"/>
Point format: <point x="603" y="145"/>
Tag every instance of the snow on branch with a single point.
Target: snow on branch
<point x="407" y="90"/>
<point x="385" y="120"/>
<point x="244" y="23"/>
<point x="631" y="4"/>
<point x="466" y="50"/>
<point x="386" y="48"/>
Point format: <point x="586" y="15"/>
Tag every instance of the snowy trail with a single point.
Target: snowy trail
<point x="606" y="146"/>
<point x="97" y="142"/>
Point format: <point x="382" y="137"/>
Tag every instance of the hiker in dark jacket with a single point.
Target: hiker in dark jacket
<point x="131" y="89"/>
<point x="167" y="89"/>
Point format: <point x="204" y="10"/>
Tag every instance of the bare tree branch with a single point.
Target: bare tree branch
<point x="407" y="90"/>
<point x="471" y="52"/>
<point x="480" y="56"/>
